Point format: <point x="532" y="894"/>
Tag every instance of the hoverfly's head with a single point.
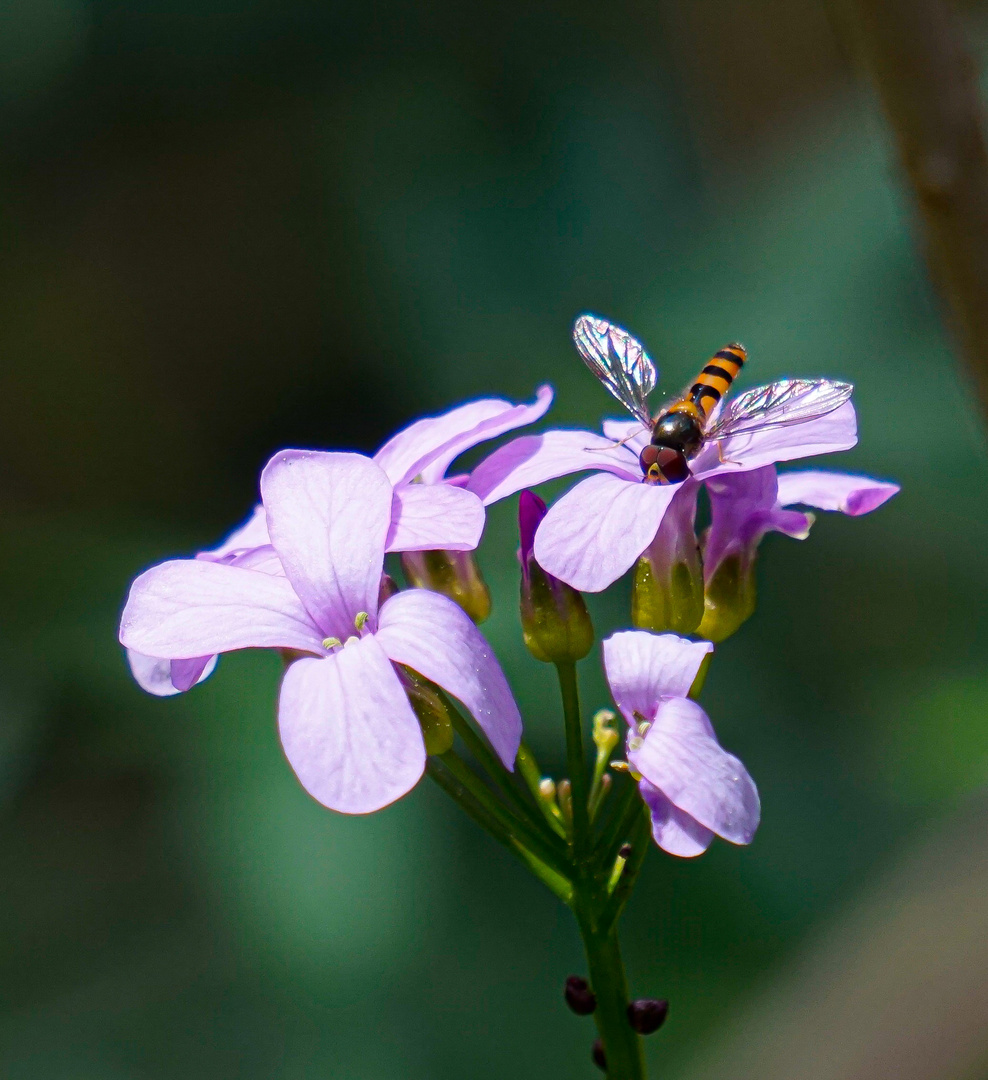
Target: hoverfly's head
<point x="663" y="465"/>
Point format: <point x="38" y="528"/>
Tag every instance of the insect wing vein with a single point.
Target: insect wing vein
<point x="788" y="401"/>
<point x="619" y="362"/>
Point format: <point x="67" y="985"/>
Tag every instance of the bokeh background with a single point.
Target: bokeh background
<point x="229" y="227"/>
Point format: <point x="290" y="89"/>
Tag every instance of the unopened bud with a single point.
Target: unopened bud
<point x="647" y="1015"/>
<point x="729" y="599"/>
<point x="387" y="589"/>
<point x="667" y="593"/>
<point x="555" y="622"/>
<point x="598" y="1056"/>
<point x="564" y="794"/>
<point x="605" y="733"/>
<point x="624" y="851"/>
<point x="579" y="997"/>
<point x="454" y="574"/>
<point x="429" y="707"/>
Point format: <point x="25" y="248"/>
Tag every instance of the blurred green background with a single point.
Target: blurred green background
<point x="233" y="227"/>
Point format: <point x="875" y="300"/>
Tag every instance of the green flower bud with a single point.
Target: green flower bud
<point x="555" y="622"/>
<point x="667" y="593"/>
<point x="454" y="574"/>
<point x="730" y="598"/>
<point x="429" y="707"/>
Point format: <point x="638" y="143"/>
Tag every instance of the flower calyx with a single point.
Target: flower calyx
<point x="454" y="574"/>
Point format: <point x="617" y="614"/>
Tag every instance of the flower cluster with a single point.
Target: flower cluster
<point x="305" y="575"/>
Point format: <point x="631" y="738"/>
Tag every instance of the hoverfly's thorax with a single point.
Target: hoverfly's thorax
<point x="680" y="429"/>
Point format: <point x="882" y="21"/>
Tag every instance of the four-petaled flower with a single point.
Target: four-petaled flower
<point x="596" y="531"/>
<point x="693" y="788"/>
<point x="346" y="723"/>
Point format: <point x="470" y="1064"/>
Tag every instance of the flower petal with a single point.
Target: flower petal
<point x="643" y="668"/>
<point x="427" y="517"/>
<point x="828" y="434"/>
<point x="428" y="446"/>
<point x="854" y="495"/>
<point x="329" y="515"/>
<point x="158" y="676"/>
<point x="637" y="435"/>
<point x="533" y="459"/>
<point x="673" y="829"/>
<point x="597" y="530"/>
<point x="252" y="534"/>
<point x="432" y="635"/>
<point x="680" y="755"/>
<point x="348" y="730"/>
<point x="191" y="608"/>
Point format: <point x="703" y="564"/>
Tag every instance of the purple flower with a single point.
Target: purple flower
<point x="597" y="530"/>
<point x="429" y="511"/>
<point x="346" y="724"/>
<point x="693" y="788"/>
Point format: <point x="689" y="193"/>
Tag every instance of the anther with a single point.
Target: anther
<point x="579" y="997"/>
<point x="647" y="1015"/>
<point x="359" y="621"/>
<point x="598" y="1056"/>
<point x="331" y="642"/>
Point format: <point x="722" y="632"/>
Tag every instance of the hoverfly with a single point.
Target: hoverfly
<point x="689" y="422"/>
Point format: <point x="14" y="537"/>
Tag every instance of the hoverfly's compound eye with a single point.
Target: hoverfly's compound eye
<point x="663" y="464"/>
<point x="648" y="457"/>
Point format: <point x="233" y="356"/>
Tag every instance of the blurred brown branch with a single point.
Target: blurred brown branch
<point x="927" y="81"/>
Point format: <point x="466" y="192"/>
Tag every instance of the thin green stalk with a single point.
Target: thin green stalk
<point x="622" y="1045"/>
<point x="513" y="825"/>
<point x="576" y="763"/>
<point x="557" y="882"/>
<point x="619" y="827"/>
<point x="528" y="767"/>
<point x="639" y="839"/>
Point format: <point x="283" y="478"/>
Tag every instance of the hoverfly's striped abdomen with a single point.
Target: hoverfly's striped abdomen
<point x="715" y="380"/>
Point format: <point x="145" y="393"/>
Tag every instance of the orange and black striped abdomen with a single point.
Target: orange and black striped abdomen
<point x="715" y="380"/>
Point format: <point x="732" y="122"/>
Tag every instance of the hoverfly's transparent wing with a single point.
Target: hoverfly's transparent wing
<point x="788" y="401"/>
<point x="619" y="361"/>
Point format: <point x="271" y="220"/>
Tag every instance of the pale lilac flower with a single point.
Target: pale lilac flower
<point x="597" y="530"/>
<point x="693" y="788"/>
<point x="746" y="506"/>
<point x="346" y="724"/>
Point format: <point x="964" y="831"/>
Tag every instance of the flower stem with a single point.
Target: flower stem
<point x="622" y="1046"/>
<point x="575" y="761"/>
<point x="638" y="839"/>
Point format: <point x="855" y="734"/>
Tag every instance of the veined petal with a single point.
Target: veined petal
<point x="155" y="675"/>
<point x="434" y="637"/>
<point x="828" y="434"/>
<point x="329" y="516"/>
<point x="348" y="730"/>
<point x="854" y="495"/>
<point x="680" y="755"/>
<point x="637" y="435"/>
<point x="428" y="446"/>
<point x="643" y="668"/>
<point x="673" y="829"/>
<point x="515" y="416"/>
<point x="533" y="459"/>
<point x="252" y="533"/>
<point x="191" y="608"/>
<point x="428" y="517"/>
<point x="594" y="533"/>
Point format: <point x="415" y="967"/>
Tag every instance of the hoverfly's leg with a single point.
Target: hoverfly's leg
<point x="614" y="446"/>
<point x="720" y="456"/>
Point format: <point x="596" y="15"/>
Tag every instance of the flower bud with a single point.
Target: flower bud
<point x="555" y="622"/>
<point x="454" y="574"/>
<point x="429" y="707"/>
<point x="729" y="599"/>
<point x="647" y="1015"/>
<point x="667" y="593"/>
<point x="597" y="1055"/>
<point x="579" y="997"/>
<point x="387" y="589"/>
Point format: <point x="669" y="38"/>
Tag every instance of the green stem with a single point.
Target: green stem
<point x="622" y="1046"/>
<point x="549" y="876"/>
<point x="575" y="761"/>
<point x="532" y="775"/>
<point x="620" y="825"/>
<point x="639" y="839"/>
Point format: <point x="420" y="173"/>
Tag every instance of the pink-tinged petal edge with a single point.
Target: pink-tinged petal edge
<point x="680" y="756"/>
<point x="673" y="829"/>
<point x="163" y="678"/>
<point x="329" y="516"/>
<point x="596" y="531"/>
<point x="850" y="494"/>
<point x="532" y="459"/>
<point x="348" y="730"/>
<point x="434" y="637"/>
<point x="191" y="608"/>
<point x="253" y="533"/>
<point x="426" y="517"/>
<point x="643" y="668"/>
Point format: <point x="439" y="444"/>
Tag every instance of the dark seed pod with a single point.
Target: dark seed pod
<point x="597" y="1053"/>
<point x="647" y="1015"/>
<point x="579" y="997"/>
<point x="625" y="851"/>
